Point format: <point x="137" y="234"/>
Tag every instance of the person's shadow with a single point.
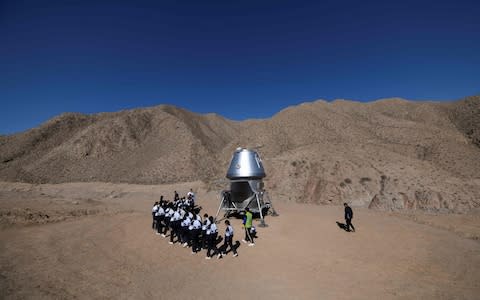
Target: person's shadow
<point x="222" y="248"/>
<point x="236" y="245"/>
<point x="218" y="240"/>
<point x="342" y="226"/>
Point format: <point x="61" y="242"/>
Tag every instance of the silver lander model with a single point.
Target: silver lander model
<point x="245" y="176"/>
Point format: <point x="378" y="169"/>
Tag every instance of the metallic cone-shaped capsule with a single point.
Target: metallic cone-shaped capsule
<point x="245" y="164"/>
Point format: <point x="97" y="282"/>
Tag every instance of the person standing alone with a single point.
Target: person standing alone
<point x="228" y="241"/>
<point x="247" y="224"/>
<point x="348" y="217"/>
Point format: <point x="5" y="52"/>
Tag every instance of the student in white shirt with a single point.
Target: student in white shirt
<point x="211" y="234"/>
<point x="159" y="216"/>
<point x="154" y="210"/>
<point x="228" y="241"/>
<point x="185" y="232"/>
<point x="206" y="224"/>
<point x="197" y="228"/>
<point x="166" y="219"/>
<point x="175" y="226"/>
<point x="191" y="197"/>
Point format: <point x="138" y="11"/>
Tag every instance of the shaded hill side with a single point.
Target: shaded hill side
<point x="466" y="116"/>
<point x="387" y="154"/>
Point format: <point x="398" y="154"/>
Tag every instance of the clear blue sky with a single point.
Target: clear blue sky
<point x="240" y="59"/>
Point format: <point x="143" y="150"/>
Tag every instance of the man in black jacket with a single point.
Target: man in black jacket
<point x="348" y="217"/>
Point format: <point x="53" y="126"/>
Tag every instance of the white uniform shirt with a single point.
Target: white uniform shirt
<point x="187" y="222"/>
<point x="229" y="231"/>
<point x="176" y="216"/>
<point x="191" y="195"/>
<point x="212" y="229"/>
<point x="160" y="212"/>
<point x="197" y="224"/>
<point x="206" y="224"/>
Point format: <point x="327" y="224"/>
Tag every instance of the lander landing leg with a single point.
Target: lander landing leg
<point x="262" y="219"/>
<point x="269" y="202"/>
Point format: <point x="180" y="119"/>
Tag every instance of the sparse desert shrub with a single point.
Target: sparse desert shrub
<point x="364" y="180"/>
<point x="348" y="180"/>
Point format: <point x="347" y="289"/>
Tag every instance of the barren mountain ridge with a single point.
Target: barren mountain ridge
<point x="390" y="154"/>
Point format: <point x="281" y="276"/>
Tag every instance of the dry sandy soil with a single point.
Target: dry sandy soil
<point x="93" y="240"/>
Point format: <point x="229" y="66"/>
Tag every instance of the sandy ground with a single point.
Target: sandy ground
<point x="94" y="240"/>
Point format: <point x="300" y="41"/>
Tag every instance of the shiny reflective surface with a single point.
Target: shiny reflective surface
<point x="245" y="164"/>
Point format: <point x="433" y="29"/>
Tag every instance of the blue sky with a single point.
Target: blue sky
<point x="240" y="59"/>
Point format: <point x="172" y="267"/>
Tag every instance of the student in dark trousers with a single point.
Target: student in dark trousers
<point x="247" y="224"/>
<point x="185" y="235"/>
<point x="197" y="228"/>
<point x="228" y="241"/>
<point x="175" y="196"/>
<point x="348" y="217"/>
<point x="166" y="219"/>
<point x="205" y="226"/>
<point x="154" y="211"/>
<point x="159" y="216"/>
<point x="211" y="234"/>
<point x="175" y="226"/>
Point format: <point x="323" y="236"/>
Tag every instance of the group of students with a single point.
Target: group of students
<point x="182" y="220"/>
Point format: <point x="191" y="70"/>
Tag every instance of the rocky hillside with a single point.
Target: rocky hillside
<point x="388" y="154"/>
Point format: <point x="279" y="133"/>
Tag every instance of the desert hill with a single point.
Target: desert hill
<point x="160" y="144"/>
<point x="388" y="154"/>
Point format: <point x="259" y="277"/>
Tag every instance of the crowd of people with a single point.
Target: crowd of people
<point x="181" y="222"/>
